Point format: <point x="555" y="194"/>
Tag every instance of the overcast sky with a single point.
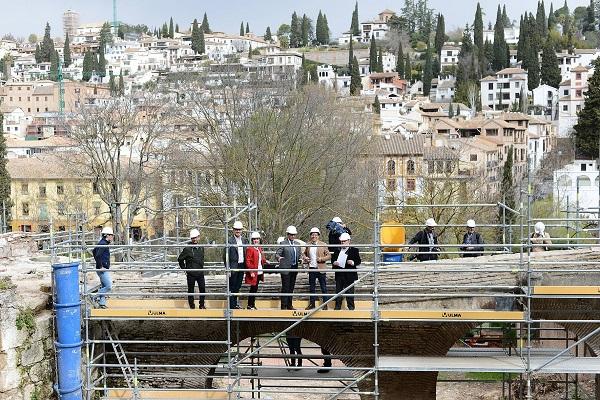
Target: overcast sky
<point x="29" y="16"/>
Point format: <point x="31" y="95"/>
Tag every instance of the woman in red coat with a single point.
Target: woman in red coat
<point x="255" y="260"/>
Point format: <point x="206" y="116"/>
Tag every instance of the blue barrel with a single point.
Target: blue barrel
<point x="68" y="326"/>
<point x="393" y="257"/>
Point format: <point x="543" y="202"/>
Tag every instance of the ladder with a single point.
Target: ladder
<point x="128" y="373"/>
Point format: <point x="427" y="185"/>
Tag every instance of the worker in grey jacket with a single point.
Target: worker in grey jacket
<point x="288" y="256"/>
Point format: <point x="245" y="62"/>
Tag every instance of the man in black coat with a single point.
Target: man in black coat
<point x="428" y="239"/>
<point x="472" y="241"/>
<point x="334" y="234"/>
<point x="237" y="249"/>
<point x="192" y="258"/>
<point x="347" y="259"/>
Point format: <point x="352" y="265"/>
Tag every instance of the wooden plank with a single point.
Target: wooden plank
<point x="155" y="313"/>
<point x="321" y="314"/>
<point x="452" y="315"/>
<point x="167" y="394"/>
<point x="215" y="304"/>
<point x="566" y="290"/>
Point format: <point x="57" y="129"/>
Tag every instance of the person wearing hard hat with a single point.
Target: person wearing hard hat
<point x="428" y="241"/>
<point x="540" y="238"/>
<point x="236" y="262"/>
<point x="255" y="261"/>
<point x="472" y="241"/>
<point x="192" y="260"/>
<point x="288" y="256"/>
<point x="336" y="227"/>
<point x="347" y="259"/>
<point x="316" y="255"/>
<point x="102" y="257"/>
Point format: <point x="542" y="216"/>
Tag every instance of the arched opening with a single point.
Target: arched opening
<point x="565" y="181"/>
<point x="391" y="167"/>
<point x="583" y="181"/>
<point x="410" y="167"/>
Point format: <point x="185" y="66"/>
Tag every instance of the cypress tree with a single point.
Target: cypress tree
<point x="268" y="37"/>
<point x="354" y="26"/>
<point x="53" y="74"/>
<point x="373" y="56"/>
<point x="47" y="47"/>
<point x="350" y="53"/>
<point x="450" y="110"/>
<point x="250" y="53"/>
<point x="101" y="63"/>
<point x="165" y="30"/>
<point x="440" y="34"/>
<point x="247" y="28"/>
<point x="295" y="29"/>
<point x="201" y="43"/>
<point x="427" y="73"/>
<point x="171" y="28"/>
<point x="533" y="69"/>
<point x="551" y="17"/>
<point x="121" y="84"/>
<point x="400" y="61"/>
<point x="508" y="186"/>
<point x="586" y="130"/>
<point x="88" y="66"/>
<point x="489" y="54"/>
<point x="540" y="20"/>
<point x="319" y="29"/>
<point x="591" y="17"/>
<point x="550" y="73"/>
<point x="326" y="29"/>
<point x="67" y="51"/>
<point x="377" y="105"/>
<point x="478" y="38"/>
<point x="4" y="175"/>
<point x="95" y="63"/>
<point x="505" y="20"/>
<point x="522" y="32"/>
<point x="196" y="37"/>
<point x="500" y="61"/>
<point x="304" y="28"/>
<point x="112" y="85"/>
<point x="380" y="60"/>
<point x="177" y="28"/>
<point x="355" y="84"/>
<point x="242" y="31"/>
<point x="205" y="24"/>
<point x="408" y="70"/>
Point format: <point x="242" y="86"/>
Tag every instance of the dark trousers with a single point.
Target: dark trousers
<point x="288" y="283"/>
<point x="327" y="359"/>
<point x="192" y="280"/>
<point x="342" y="281"/>
<point x="313" y="277"/>
<point x="295" y="346"/>
<point x="251" y="298"/>
<point x="235" y="284"/>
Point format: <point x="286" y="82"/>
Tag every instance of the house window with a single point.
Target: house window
<point x="449" y="167"/>
<point x="505" y="96"/>
<point x="60" y="189"/>
<point x="430" y="167"/>
<point x="95" y="188"/>
<point x="61" y="208"/>
<point x="43" y="211"/>
<point x="578" y="93"/>
<point x="78" y="189"/>
<point x="490" y="97"/>
<point x="517" y="84"/>
<point x="578" y="75"/>
<point x="411" y="185"/>
<point x="491" y="132"/>
<point x="566" y="92"/>
<point x="43" y="192"/>
<point x="96" y="207"/>
<point x="490" y="86"/>
<point x="439" y="167"/>
<point x="24" y="188"/>
<point x="578" y="107"/>
<point x="25" y="209"/>
<point x="583" y="167"/>
<point x="391" y="185"/>
<point x="410" y="167"/>
<point x="473" y="157"/>
<point x="391" y="167"/>
<point x="565" y="108"/>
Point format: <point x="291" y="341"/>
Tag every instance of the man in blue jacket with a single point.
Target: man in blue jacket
<point x="102" y="258"/>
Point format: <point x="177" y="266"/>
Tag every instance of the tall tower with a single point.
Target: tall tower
<point x="70" y="23"/>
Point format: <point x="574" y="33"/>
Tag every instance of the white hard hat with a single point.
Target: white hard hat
<point x="315" y="230"/>
<point x="255" y="235"/>
<point x="280" y="239"/>
<point x="107" y="230"/>
<point x="238" y="225"/>
<point x="194" y="233"/>
<point x="539" y="228"/>
<point x="471" y="223"/>
<point x="291" y="230"/>
<point x="344" y="236"/>
<point x="337" y="219"/>
<point x="430" y="222"/>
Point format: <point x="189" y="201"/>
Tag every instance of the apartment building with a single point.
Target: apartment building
<point x="571" y="99"/>
<point x="504" y="88"/>
<point x="449" y="55"/>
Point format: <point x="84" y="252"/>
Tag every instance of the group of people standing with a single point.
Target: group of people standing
<point x="247" y="263"/>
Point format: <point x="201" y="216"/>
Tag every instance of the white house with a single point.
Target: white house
<point x="15" y="122"/>
<point x="501" y="90"/>
<point x="566" y="61"/>
<point x="376" y="28"/>
<point x="576" y="186"/>
<point x="511" y="35"/>
<point x="449" y="55"/>
<point x="442" y="89"/>
<point x="545" y="101"/>
<point x="571" y="99"/>
<point x="541" y="134"/>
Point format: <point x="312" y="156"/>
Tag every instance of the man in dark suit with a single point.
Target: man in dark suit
<point x="346" y="259"/>
<point x="236" y="249"/>
<point x="289" y="257"/>
<point x="472" y="241"/>
<point x="428" y="239"/>
<point x="192" y="257"/>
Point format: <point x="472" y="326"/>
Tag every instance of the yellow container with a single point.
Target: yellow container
<point x="392" y="233"/>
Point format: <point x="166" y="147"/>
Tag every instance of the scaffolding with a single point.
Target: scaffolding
<point x="149" y="345"/>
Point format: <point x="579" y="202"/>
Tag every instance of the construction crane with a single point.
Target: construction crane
<point x="61" y="89"/>
<point x="115" y="23"/>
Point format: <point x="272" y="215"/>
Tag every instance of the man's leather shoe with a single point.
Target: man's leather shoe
<point x="310" y="307"/>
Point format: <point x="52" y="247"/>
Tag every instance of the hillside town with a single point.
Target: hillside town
<point x="486" y="108"/>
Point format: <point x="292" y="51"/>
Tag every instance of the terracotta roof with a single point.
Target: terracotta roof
<point x="565" y="83"/>
<point x="448" y="121"/>
<point x="53" y="141"/>
<point x="387" y="11"/>
<point x="514" y="116"/>
<point x="579" y="68"/>
<point x="41" y="166"/>
<point x="488" y="78"/>
<point x="586" y="51"/>
<point x="44" y="90"/>
<point x="396" y="145"/>
<point x="378" y="75"/>
<point x="511" y="71"/>
<point x="440" y="153"/>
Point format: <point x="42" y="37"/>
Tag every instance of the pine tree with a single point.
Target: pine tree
<point x="500" y="61"/>
<point x="380" y="60"/>
<point x="38" y="54"/>
<point x="408" y="70"/>
<point x="196" y="37"/>
<point x="373" y="56"/>
<point x="354" y="26"/>
<point x="250" y="52"/>
<point x="88" y="66"/>
<point x="247" y="28"/>
<point x="540" y="20"/>
<point x="295" y="31"/>
<point x="326" y="29"/>
<point x="427" y="73"/>
<point x="478" y="28"/>
<point x="550" y="74"/>
<point x="508" y="186"/>
<point x="201" y="42"/>
<point x="505" y="20"/>
<point x="171" y="28"/>
<point x="489" y="54"/>
<point x="242" y="31"/>
<point x="67" y="52"/>
<point x="112" y="85"/>
<point x="47" y="45"/>
<point x="101" y="63"/>
<point x="305" y="28"/>
<point x="355" y="84"/>
<point x="268" y="36"/>
<point x="440" y="34"/>
<point x="319" y="29"/>
<point x="586" y="130"/>
<point x="551" y="18"/>
<point x="400" y="61"/>
<point x="165" y="31"/>
<point x="53" y="74"/>
<point x="522" y="32"/>
<point x="533" y="69"/>
<point x="5" y="201"/>
<point x="350" y="54"/>
<point x="176" y="28"/>
<point x="121" y="84"/>
<point x="95" y="63"/>
<point x="205" y="24"/>
<point x="377" y="105"/>
<point x="106" y="37"/>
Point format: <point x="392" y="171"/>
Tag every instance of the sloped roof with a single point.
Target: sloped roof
<point x="579" y="68"/>
<point x="397" y="145"/>
<point x="440" y="153"/>
<point x="41" y="166"/>
<point x="488" y="78"/>
<point x="511" y="71"/>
